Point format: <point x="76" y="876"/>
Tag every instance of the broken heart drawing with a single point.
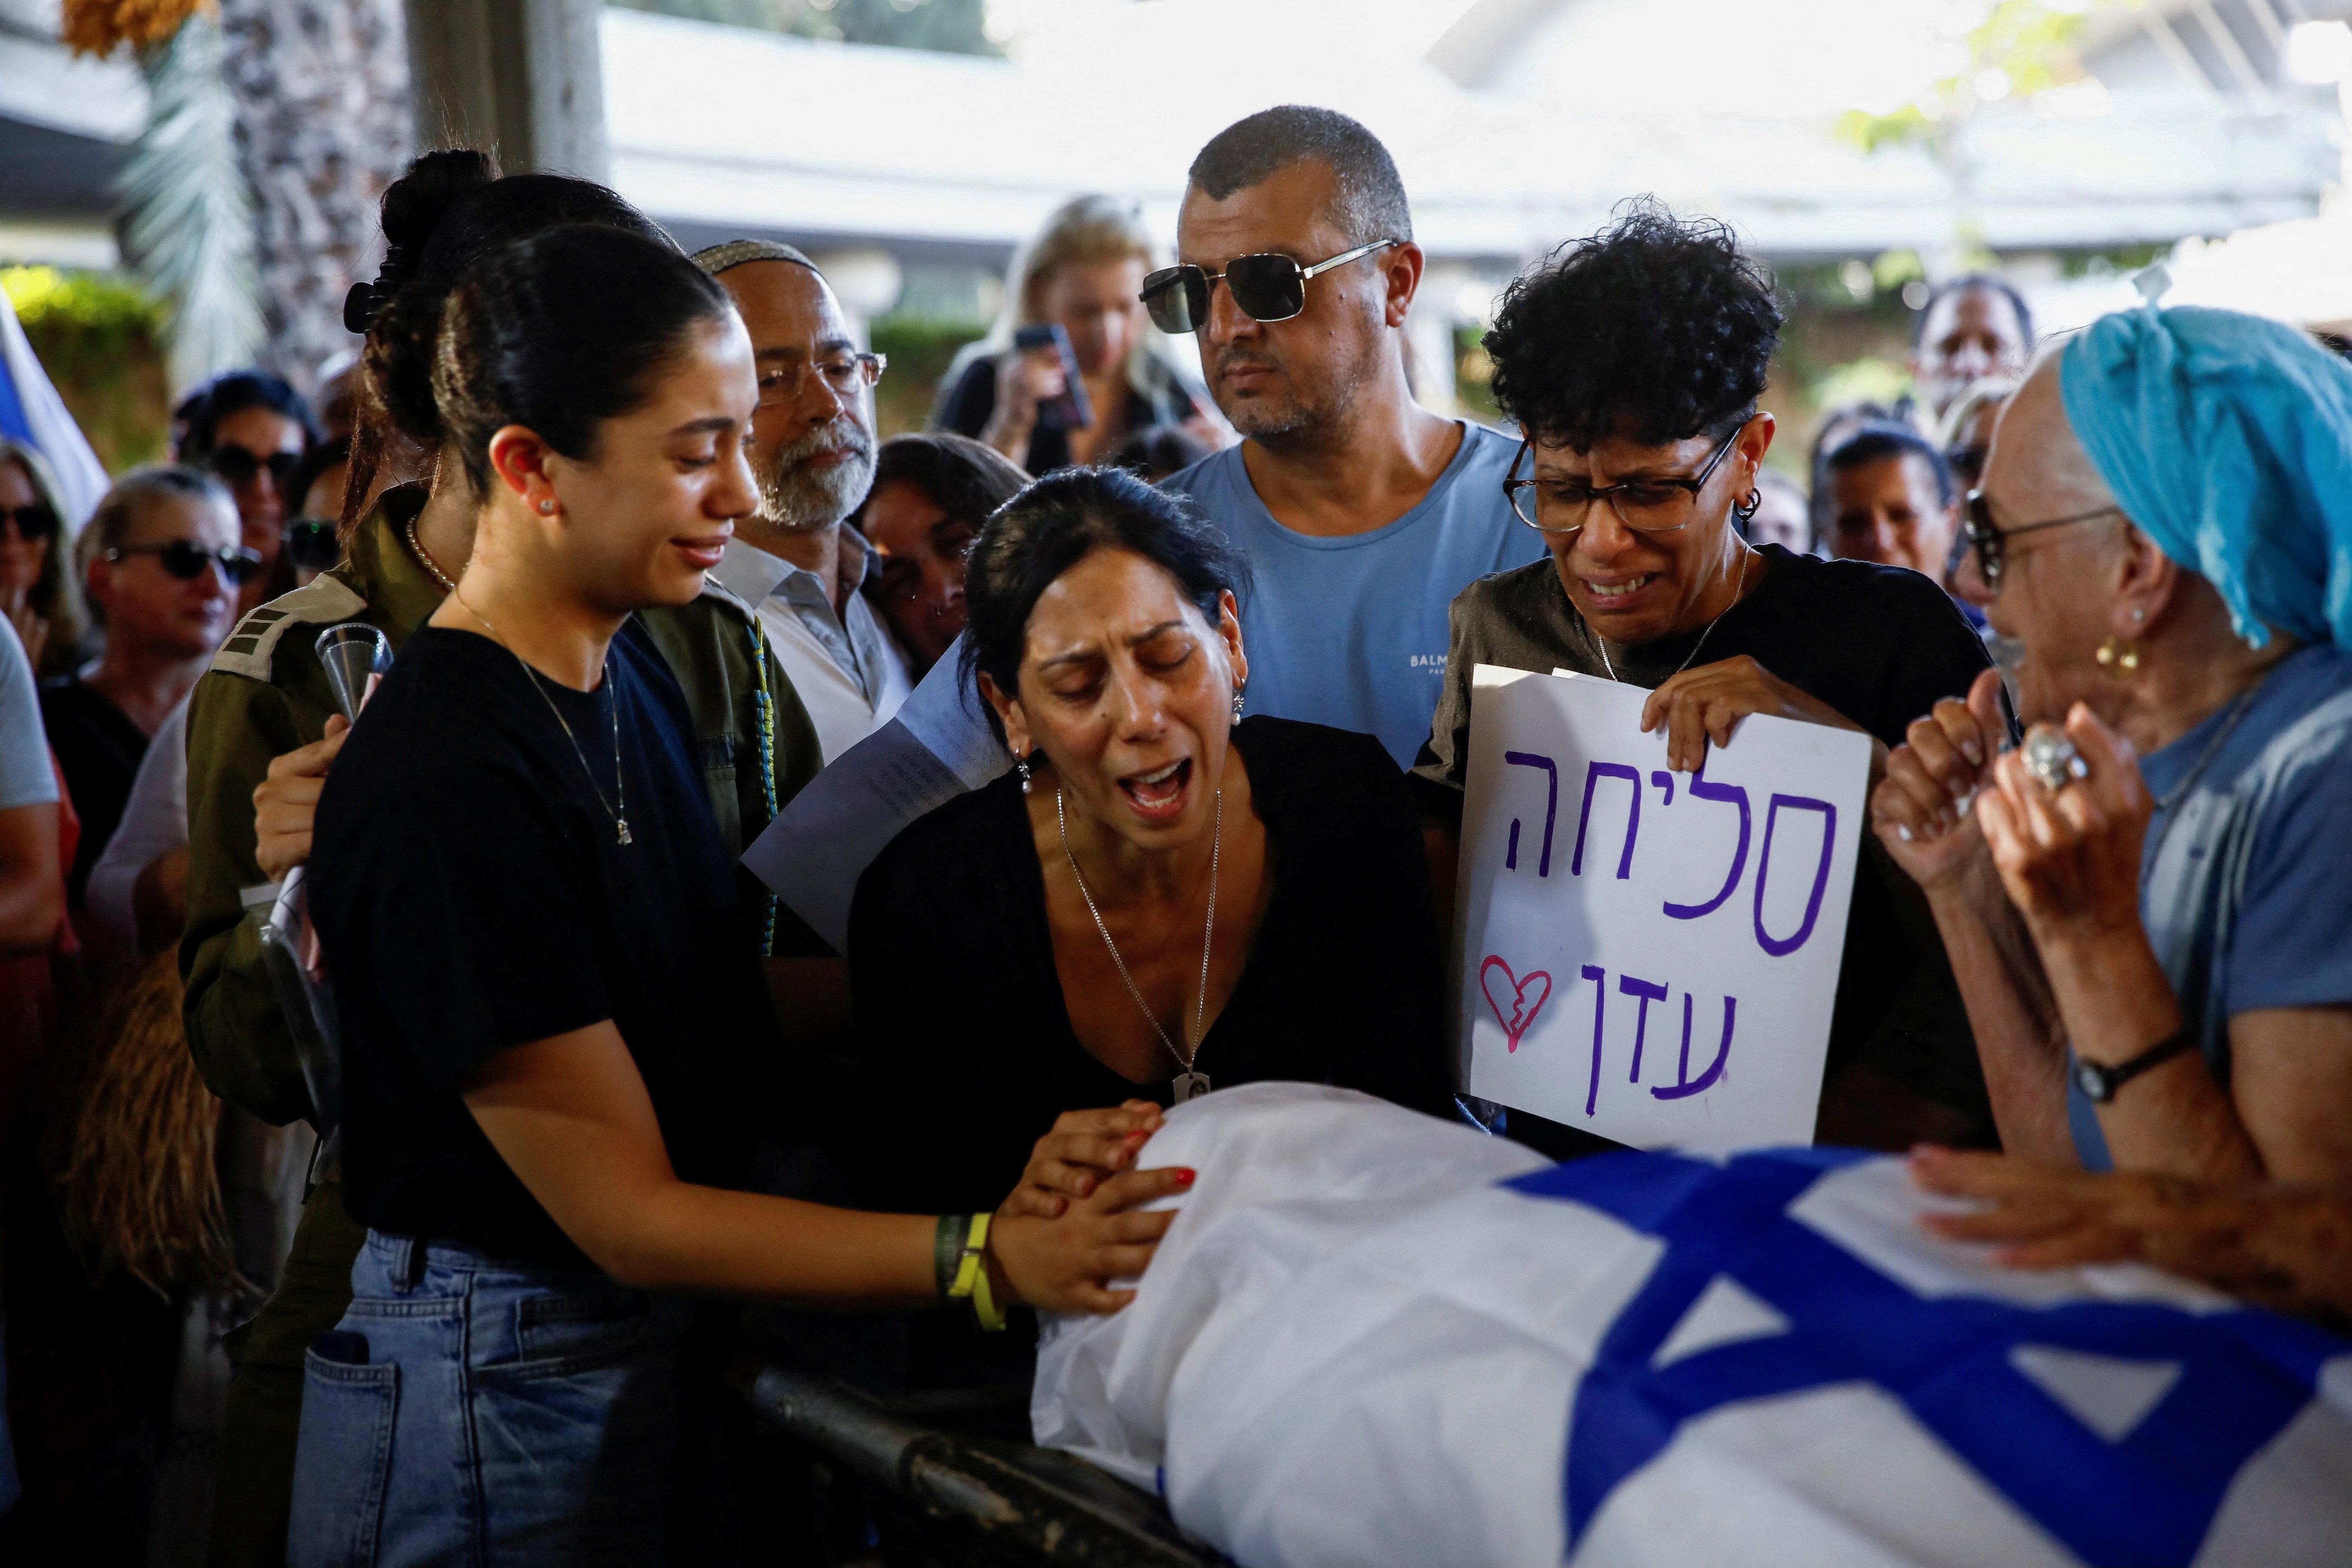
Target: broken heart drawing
<point x="1526" y="998"/>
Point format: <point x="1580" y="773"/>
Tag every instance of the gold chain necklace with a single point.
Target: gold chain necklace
<point x="618" y="812"/>
<point x="432" y="567"/>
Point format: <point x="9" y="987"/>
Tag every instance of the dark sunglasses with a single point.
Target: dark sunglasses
<point x="186" y="560"/>
<point x="31" y="523"/>
<point x="1988" y="542"/>
<point x="238" y="467"/>
<point x="312" y="543"/>
<point x="1267" y="288"/>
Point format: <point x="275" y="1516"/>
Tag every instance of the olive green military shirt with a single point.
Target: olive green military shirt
<point x="267" y="694"/>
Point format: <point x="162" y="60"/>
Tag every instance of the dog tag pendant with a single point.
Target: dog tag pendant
<point x="1189" y="1086"/>
<point x="622" y="823"/>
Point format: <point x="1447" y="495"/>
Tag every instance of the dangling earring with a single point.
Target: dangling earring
<point x="2119" y="657"/>
<point x="1237" y="704"/>
<point x="1021" y="766"/>
<point x="1746" y="511"/>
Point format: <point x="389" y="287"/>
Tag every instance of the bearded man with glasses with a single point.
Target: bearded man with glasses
<point x="1361" y="513"/>
<point x="797" y="561"/>
<point x="1633" y="361"/>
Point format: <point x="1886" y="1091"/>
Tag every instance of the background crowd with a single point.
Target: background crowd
<point x="1225" y="630"/>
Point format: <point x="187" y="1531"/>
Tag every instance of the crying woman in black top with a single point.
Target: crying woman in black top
<point x="1162" y="899"/>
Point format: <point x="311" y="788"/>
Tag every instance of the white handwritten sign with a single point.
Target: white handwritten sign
<point x="1649" y="955"/>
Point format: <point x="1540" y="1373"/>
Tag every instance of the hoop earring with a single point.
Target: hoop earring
<point x="1021" y="766"/>
<point x="2119" y="657"/>
<point x="1747" y="510"/>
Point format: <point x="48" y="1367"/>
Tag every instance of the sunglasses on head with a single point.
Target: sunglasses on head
<point x="31" y="523"/>
<point x="238" y="467"/>
<point x="1270" y="287"/>
<point x="186" y="560"/>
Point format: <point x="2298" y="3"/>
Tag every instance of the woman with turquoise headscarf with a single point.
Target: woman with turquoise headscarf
<point x="2146" y="904"/>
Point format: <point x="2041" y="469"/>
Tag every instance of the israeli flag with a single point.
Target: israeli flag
<point x="32" y="413"/>
<point x="1374" y="1338"/>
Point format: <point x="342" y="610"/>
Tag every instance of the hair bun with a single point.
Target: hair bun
<point x="414" y="204"/>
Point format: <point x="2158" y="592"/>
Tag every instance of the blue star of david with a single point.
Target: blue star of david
<point x="2149" y="1498"/>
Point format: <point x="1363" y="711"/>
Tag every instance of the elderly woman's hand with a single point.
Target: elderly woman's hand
<point x="1708" y="702"/>
<point x="2283" y="1247"/>
<point x="1085" y="1148"/>
<point x="2070" y="856"/>
<point x="1921" y="809"/>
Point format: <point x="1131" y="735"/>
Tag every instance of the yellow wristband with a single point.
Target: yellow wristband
<point x="972" y="1277"/>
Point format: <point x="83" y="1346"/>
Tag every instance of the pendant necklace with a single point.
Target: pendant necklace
<point x="1738" y="588"/>
<point x="1187" y="1084"/>
<point x="618" y="807"/>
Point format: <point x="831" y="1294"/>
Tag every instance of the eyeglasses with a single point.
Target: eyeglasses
<point x="1988" y="542"/>
<point x="847" y="375"/>
<point x="1270" y="287"/>
<point x="186" y="560"/>
<point x="31" y="523"/>
<point x="1645" y="506"/>
<point x="312" y="543"/>
<point x="240" y="466"/>
<point x="1967" y="463"/>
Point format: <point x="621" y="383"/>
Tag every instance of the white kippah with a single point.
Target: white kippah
<point x="717" y="259"/>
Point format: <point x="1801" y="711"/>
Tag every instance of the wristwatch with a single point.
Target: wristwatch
<point x="2099" y="1083"/>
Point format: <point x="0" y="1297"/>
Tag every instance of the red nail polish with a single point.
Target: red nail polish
<point x="1186" y="1176"/>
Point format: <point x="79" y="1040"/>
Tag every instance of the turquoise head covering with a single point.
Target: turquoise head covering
<point x="2228" y="439"/>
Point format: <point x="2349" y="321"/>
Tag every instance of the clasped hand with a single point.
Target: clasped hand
<point x="2069" y="858"/>
<point x="1076" y="1221"/>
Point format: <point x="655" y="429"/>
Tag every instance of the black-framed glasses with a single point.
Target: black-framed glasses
<point x="1269" y="287"/>
<point x="1989" y="543"/>
<point x="186" y="560"/>
<point x="39" y="520"/>
<point x="1645" y="506"/>
<point x="846" y="373"/>
<point x="237" y="467"/>
<point x="313" y="543"/>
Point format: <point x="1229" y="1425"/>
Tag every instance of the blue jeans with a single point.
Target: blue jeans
<point x="473" y="1411"/>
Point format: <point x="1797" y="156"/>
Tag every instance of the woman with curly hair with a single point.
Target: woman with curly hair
<point x="1632" y="362"/>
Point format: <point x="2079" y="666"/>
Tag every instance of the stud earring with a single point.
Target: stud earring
<point x="2138" y="615"/>
<point x="2119" y="657"/>
<point x="1021" y="766"/>
<point x="546" y="509"/>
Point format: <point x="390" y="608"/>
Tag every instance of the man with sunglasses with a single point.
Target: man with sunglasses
<point x="161" y="566"/>
<point x="1361" y="513"/>
<point x="797" y="561"/>
<point x="252" y="429"/>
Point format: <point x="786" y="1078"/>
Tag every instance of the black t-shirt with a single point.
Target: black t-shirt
<point x="963" y="1036"/>
<point x="471" y="894"/>
<point x="967" y="405"/>
<point x="98" y="751"/>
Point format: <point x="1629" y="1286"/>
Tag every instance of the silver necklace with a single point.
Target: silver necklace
<point x="617" y="808"/>
<point x="1187" y="1084"/>
<point x="1738" y="588"/>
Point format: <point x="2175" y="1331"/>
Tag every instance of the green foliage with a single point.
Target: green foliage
<point x="2016" y="49"/>
<point x="97" y="333"/>
<point x="948" y="26"/>
<point x="1873" y="379"/>
<point x="920" y="350"/>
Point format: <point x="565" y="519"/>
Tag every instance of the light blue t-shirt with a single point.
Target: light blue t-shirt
<point x="1351" y="632"/>
<point x="2245" y="898"/>
<point x="25" y="778"/>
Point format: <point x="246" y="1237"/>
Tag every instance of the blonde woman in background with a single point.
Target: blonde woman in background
<point x="1084" y="272"/>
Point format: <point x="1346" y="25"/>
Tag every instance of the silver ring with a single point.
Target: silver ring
<point x="2052" y="760"/>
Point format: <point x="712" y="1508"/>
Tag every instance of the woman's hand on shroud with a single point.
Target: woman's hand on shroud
<point x="1707" y="703"/>
<point x="1922" y="809"/>
<point x="1066" y="1265"/>
<point x="1085" y="1148"/>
